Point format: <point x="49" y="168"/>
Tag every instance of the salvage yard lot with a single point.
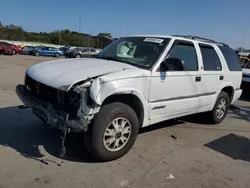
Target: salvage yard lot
<point x="194" y="153"/>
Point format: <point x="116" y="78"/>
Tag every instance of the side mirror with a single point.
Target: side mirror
<point x="172" y="64"/>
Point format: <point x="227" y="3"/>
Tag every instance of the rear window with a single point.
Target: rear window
<point x="231" y="58"/>
<point x="211" y="61"/>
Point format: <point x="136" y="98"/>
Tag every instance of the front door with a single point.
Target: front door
<point x="174" y="93"/>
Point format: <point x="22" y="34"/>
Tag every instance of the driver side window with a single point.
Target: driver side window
<point x="185" y="51"/>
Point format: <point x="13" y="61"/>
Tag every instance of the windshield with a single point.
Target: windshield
<point x="138" y="51"/>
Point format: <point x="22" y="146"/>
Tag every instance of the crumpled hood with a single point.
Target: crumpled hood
<point x="62" y="74"/>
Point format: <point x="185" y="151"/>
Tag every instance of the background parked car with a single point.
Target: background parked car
<point x="246" y="78"/>
<point x="69" y="53"/>
<point x="85" y="52"/>
<point x="33" y="50"/>
<point x="5" y="50"/>
<point x="65" y="48"/>
<point x="48" y="51"/>
<point x="15" y="49"/>
<point x="27" y="50"/>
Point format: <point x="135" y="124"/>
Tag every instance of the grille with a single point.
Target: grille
<point x="62" y="100"/>
<point x="44" y="92"/>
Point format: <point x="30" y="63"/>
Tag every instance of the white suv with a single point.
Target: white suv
<point x="134" y="82"/>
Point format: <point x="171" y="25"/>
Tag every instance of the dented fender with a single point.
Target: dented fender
<point x="99" y="91"/>
<point x="95" y="90"/>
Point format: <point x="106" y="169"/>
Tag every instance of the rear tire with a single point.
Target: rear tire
<point x="14" y="52"/>
<point x="103" y="140"/>
<point x="219" y="112"/>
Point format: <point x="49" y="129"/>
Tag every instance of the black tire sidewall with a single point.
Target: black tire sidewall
<point x="78" y="55"/>
<point x="105" y="116"/>
<point x="222" y="95"/>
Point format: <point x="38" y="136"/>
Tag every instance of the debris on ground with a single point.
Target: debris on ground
<point x="63" y="137"/>
<point x="170" y="177"/>
<point x="43" y="161"/>
<point x="174" y="137"/>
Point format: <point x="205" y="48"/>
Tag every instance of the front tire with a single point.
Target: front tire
<point x="78" y="56"/>
<point x="113" y="132"/>
<point x="57" y="55"/>
<point x="219" y="112"/>
<point x="14" y="52"/>
<point x="37" y="54"/>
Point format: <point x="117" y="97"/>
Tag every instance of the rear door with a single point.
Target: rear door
<point x="212" y="77"/>
<point x="45" y="51"/>
<point x="51" y="51"/>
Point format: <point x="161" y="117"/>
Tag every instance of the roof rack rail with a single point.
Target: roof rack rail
<point x="201" y="39"/>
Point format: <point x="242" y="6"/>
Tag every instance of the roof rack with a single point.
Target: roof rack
<point x="201" y="39"/>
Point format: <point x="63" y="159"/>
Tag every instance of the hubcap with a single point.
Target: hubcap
<point x="117" y="134"/>
<point x="221" y="108"/>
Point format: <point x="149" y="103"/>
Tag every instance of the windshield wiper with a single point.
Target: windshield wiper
<point x="110" y="58"/>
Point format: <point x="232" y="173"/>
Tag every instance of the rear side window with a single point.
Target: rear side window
<point x="211" y="61"/>
<point x="231" y="58"/>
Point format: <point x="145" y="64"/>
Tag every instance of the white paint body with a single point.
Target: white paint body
<point x="110" y="77"/>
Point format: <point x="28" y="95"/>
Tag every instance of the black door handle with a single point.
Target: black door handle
<point x="197" y="79"/>
<point x="221" y="77"/>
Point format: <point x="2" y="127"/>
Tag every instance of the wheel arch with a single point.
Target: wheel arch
<point x="132" y="98"/>
<point x="229" y="89"/>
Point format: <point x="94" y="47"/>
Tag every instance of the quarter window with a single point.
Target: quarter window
<point x="211" y="61"/>
<point x="185" y="51"/>
<point x="231" y="58"/>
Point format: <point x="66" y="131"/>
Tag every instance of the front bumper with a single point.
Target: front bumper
<point x="8" y="52"/>
<point x="48" y="113"/>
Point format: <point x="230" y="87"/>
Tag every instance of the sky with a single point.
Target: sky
<point x="223" y="20"/>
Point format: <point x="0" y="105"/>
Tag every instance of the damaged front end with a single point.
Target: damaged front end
<point x="59" y="109"/>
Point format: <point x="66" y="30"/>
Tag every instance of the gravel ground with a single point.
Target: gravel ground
<point x="184" y="153"/>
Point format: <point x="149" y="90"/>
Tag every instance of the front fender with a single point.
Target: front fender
<point x="100" y="92"/>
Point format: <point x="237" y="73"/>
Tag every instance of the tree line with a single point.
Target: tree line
<point x="58" y="37"/>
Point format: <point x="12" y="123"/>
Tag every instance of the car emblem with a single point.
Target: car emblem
<point x="37" y="87"/>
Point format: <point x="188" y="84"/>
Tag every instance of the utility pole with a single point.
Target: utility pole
<point x="80" y="21"/>
<point x="243" y="40"/>
<point x="59" y="38"/>
<point x="123" y="27"/>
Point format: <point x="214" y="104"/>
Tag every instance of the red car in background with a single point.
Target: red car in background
<point x="5" y="50"/>
<point x="15" y="49"/>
